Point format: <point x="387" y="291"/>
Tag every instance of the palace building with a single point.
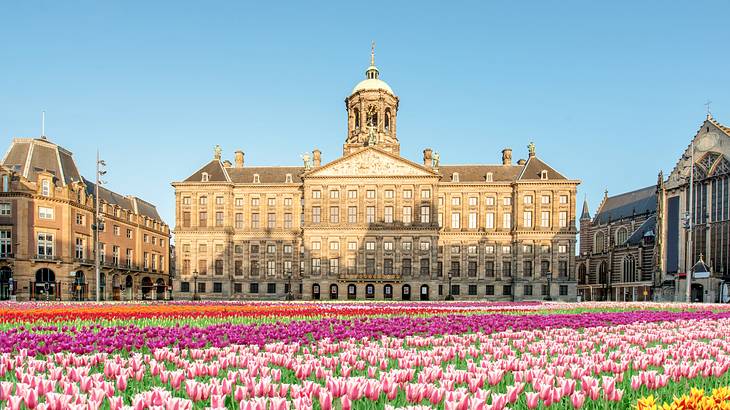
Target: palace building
<point x="372" y="224"/>
<point x="47" y="238"/>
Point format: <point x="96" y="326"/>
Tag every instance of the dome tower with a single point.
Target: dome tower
<point x="372" y="109"/>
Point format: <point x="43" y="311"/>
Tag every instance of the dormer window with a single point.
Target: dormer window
<point x="489" y="177"/>
<point x="205" y="177"/>
<point x="288" y="179"/>
<point x="46" y="187"/>
<point x="455" y="177"/>
<point x="543" y="175"/>
<point x="256" y="179"/>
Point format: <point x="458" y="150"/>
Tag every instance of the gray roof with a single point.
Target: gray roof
<point x="646" y="229"/>
<point x="625" y="205"/>
<point x="30" y="156"/>
<point x="132" y="203"/>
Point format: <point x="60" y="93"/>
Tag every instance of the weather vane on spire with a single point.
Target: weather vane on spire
<point x="372" y="53"/>
<point x="707" y="106"/>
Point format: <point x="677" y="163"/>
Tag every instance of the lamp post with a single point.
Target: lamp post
<point x="450" y="296"/>
<point x="688" y="226"/>
<point x="100" y="164"/>
<point x="195" y="290"/>
<point x="549" y="275"/>
<point x="289" y="295"/>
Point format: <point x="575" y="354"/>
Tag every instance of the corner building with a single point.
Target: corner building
<point x="374" y="225"/>
<point x="47" y="232"/>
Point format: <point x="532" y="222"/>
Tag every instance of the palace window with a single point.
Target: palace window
<point x="407" y="216"/>
<point x="5" y="209"/>
<point x="425" y="214"/>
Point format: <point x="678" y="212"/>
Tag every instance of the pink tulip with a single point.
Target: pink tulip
<point x="577" y="399"/>
<point x="122" y="383"/>
<point x="325" y="400"/>
<point x="14" y="402"/>
<point x="533" y="399"/>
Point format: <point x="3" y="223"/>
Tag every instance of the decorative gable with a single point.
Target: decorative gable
<point x="371" y="162"/>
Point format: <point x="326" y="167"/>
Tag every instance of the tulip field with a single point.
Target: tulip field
<point x="364" y="355"/>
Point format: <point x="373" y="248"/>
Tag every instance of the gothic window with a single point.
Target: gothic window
<point x="721" y="167"/>
<point x="598" y="242"/>
<point x="387" y="119"/>
<point x="621" y="236"/>
<point x="629" y="269"/>
<point x="357" y="118"/>
<point x="582" y="277"/>
<point x="602" y="274"/>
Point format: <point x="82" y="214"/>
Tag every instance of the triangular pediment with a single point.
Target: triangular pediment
<point x="371" y="162"/>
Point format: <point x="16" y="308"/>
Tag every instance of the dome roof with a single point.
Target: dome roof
<point x="372" y="84"/>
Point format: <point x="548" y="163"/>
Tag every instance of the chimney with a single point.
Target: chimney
<point x="521" y="161"/>
<point x="427" y="158"/>
<point x="227" y="163"/>
<point x="239" y="159"/>
<point x="316" y="157"/>
<point x="507" y="156"/>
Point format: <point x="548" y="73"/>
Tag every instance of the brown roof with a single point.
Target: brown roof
<point x="215" y="171"/>
<point x="534" y="167"/>
<point x="267" y="175"/>
<point x="478" y="173"/>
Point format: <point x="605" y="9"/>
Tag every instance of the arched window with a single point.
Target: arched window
<point x="582" y="277"/>
<point x="388" y="291"/>
<point x="599" y="242"/>
<point x="622" y="234"/>
<point x="602" y="274"/>
<point x="334" y="291"/>
<point x="205" y="177"/>
<point x="629" y="269"/>
<point x="369" y="291"/>
<point x="406" y="292"/>
<point x="351" y="291"/>
<point x="387" y="119"/>
<point x="315" y="291"/>
<point x="543" y="174"/>
<point x="357" y="118"/>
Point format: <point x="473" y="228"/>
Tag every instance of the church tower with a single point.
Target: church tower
<point x="372" y="108"/>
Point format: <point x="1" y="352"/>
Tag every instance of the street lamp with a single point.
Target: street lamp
<point x="450" y="296"/>
<point x="289" y="295"/>
<point x="549" y="275"/>
<point x="195" y="290"/>
<point x="100" y="165"/>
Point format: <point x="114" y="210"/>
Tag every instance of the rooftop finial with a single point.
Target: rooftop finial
<point x="43" y="124"/>
<point x="372" y="53"/>
<point x="707" y="106"/>
<point x="531" y="149"/>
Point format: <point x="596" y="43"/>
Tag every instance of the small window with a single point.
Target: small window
<point x="271" y="288"/>
<point x="455" y="177"/>
<point x="256" y="179"/>
<point x="543" y="174"/>
<point x="489" y="177"/>
<point x="204" y="177"/>
<point x="46" y="187"/>
<point x="288" y="179"/>
<point x="217" y="287"/>
<point x="185" y="287"/>
<point x="253" y="288"/>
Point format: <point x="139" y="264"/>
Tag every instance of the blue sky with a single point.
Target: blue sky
<point x="610" y="92"/>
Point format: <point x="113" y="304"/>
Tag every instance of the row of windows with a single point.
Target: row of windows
<point x="271" y="220"/>
<point x="253" y="288"/>
<point x="372" y="194"/>
<point x="271" y="288"/>
<point x="238" y="202"/>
